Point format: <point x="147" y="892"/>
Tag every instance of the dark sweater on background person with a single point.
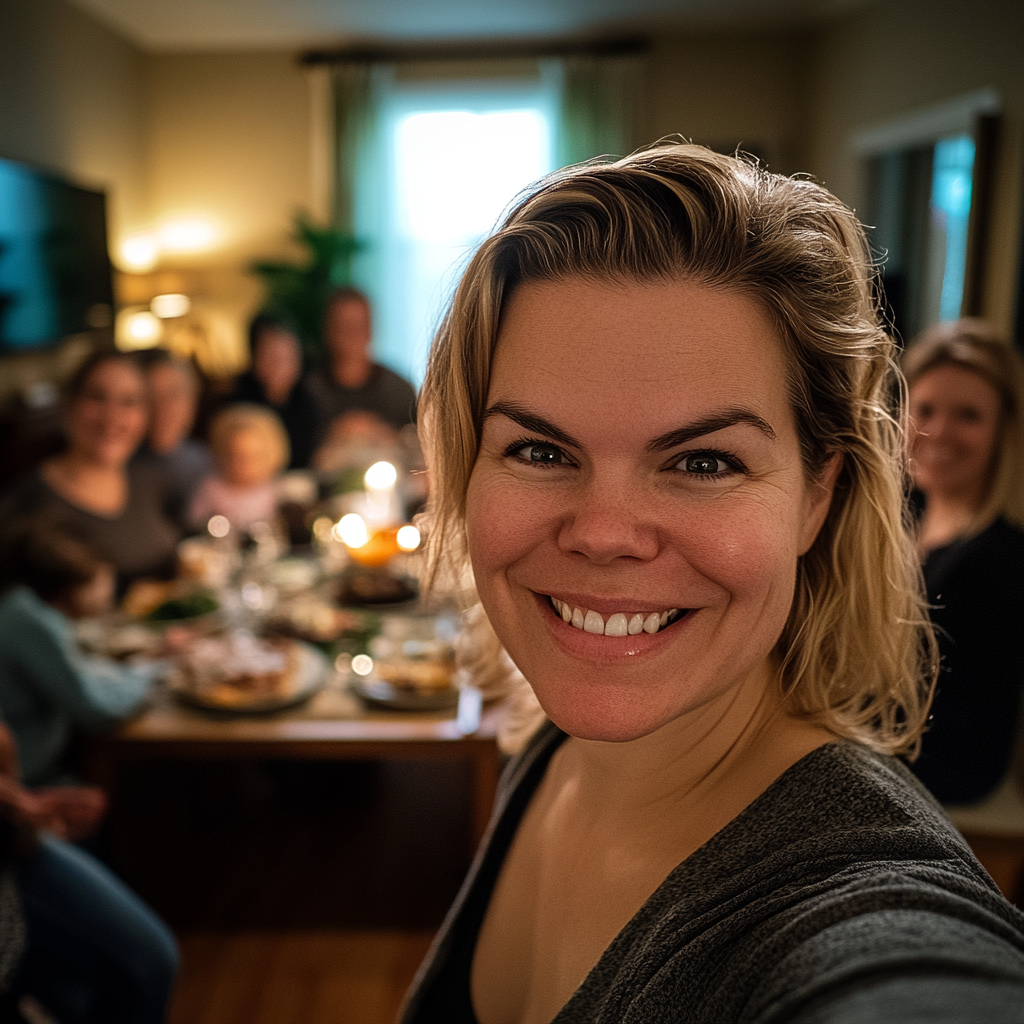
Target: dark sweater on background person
<point x="976" y="589"/>
<point x="387" y="395"/>
<point x="299" y="414"/>
<point x="841" y="895"/>
<point x="138" y="541"/>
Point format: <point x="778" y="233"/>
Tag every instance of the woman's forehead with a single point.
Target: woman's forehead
<point x="636" y="332"/>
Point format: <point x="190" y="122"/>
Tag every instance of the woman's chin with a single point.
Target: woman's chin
<point x="607" y="717"/>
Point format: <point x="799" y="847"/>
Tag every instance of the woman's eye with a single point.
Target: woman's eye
<point x="705" y="464"/>
<point x="540" y="454"/>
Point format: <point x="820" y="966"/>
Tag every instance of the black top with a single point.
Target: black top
<point x="841" y="895"/>
<point x="299" y="414"/>
<point x="977" y="589"/>
<point x="385" y="394"/>
<point x="138" y="541"/>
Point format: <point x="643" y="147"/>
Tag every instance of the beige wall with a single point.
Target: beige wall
<point x="72" y="100"/>
<point x="228" y="140"/>
<point x="229" y="135"/>
<point x="896" y="57"/>
<point x="727" y="89"/>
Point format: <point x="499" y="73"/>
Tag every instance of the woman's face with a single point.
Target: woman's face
<point x="639" y="462"/>
<point x="955" y="415"/>
<point x="107" y="420"/>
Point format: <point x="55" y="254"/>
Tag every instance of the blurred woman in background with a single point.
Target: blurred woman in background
<point x="967" y="456"/>
<point x="91" y="490"/>
<point x="275" y="379"/>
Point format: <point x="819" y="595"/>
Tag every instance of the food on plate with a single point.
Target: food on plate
<point x="189" y="605"/>
<point x="239" y="669"/>
<point x="146" y="595"/>
<point x="421" y="675"/>
<point x="313" y="618"/>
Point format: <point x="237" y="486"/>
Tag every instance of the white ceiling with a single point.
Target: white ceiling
<point x="239" y="24"/>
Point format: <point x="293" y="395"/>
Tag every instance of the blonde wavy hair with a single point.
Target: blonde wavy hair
<point x="857" y="654"/>
<point x="977" y="346"/>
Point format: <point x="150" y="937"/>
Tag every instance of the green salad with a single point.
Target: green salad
<point x="189" y="606"/>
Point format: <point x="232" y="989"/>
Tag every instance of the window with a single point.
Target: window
<point x="453" y="160"/>
<point x="927" y="186"/>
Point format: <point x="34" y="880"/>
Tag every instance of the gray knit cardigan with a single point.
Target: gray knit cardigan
<point x="841" y="895"/>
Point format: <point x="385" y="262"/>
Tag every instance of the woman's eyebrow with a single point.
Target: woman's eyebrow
<point x="531" y="421"/>
<point x="708" y="425"/>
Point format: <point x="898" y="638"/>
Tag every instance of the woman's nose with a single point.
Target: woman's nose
<point x="605" y="523"/>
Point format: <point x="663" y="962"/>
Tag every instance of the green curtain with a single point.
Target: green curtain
<point x="597" y="115"/>
<point x="354" y="123"/>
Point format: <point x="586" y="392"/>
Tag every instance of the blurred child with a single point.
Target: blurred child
<point x="48" y="686"/>
<point x="250" y="447"/>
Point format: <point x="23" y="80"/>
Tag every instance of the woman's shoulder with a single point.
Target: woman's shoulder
<point x="27" y="494"/>
<point x="844" y="868"/>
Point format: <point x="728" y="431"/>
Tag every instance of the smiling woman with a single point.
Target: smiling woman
<point x="659" y="420"/>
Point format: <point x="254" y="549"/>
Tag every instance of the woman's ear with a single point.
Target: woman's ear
<point x="819" y="500"/>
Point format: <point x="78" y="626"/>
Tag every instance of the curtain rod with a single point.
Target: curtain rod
<point x="382" y="53"/>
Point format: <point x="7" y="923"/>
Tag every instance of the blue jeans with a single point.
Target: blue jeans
<point x="94" y="952"/>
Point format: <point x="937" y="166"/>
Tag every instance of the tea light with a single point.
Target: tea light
<point x="408" y="538"/>
<point x="362" y="664"/>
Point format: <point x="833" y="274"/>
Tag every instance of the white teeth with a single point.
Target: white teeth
<point x="618" y="624"/>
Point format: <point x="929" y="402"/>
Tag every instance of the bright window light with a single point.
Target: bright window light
<point x="952" y="173"/>
<point x="458" y="170"/>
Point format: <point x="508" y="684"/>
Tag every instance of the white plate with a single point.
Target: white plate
<point x="312" y="673"/>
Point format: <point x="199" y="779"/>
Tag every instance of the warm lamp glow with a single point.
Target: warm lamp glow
<point x="186" y="234"/>
<point x="137" y="329"/>
<point x="170" y="305"/>
<point x="139" y="252"/>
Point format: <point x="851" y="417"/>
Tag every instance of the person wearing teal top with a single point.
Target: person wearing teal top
<point x="48" y="686"/>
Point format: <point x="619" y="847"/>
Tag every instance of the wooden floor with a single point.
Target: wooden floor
<point x="295" y="977"/>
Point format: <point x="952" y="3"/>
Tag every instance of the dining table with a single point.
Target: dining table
<point x="334" y="724"/>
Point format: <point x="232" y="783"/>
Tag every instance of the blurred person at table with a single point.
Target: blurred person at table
<point x="250" y="448"/>
<point x="275" y="379"/>
<point x="357" y="398"/>
<point x="967" y="456"/>
<point x="75" y="942"/>
<point x="92" y="489"/>
<point x="660" y="426"/>
<point x="181" y="461"/>
<point x="48" y="686"/>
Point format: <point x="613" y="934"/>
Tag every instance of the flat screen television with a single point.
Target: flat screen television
<point x="55" y="276"/>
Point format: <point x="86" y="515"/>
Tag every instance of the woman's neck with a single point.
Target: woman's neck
<point x="722" y="755"/>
